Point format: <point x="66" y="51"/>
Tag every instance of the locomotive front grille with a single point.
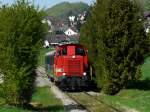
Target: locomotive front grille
<point x="74" y="67"/>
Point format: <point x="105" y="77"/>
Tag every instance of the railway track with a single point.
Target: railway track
<point x="70" y="105"/>
<point x="110" y="106"/>
<point x="91" y="103"/>
<point x="86" y="100"/>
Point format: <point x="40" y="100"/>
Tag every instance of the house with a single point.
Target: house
<point x="56" y="38"/>
<point x="61" y="26"/>
<point x="72" y="20"/>
<point x="73" y="39"/>
<point x="70" y="32"/>
<point x="46" y="44"/>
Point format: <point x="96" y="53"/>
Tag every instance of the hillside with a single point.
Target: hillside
<point x="64" y="9"/>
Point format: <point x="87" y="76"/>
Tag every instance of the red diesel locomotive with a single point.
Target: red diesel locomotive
<point x="71" y="67"/>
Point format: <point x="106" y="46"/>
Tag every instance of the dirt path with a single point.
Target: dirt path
<point x="41" y="79"/>
<point x="69" y="104"/>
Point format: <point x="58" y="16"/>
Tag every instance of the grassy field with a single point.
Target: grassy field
<point x="8" y="108"/>
<point x="42" y="100"/>
<point x="12" y="109"/>
<point x="146" y="69"/>
<point x="136" y="99"/>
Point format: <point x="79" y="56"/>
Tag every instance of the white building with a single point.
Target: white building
<point x="46" y="44"/>
<point x="72" y="18"/>
<point x="70" y="32"/>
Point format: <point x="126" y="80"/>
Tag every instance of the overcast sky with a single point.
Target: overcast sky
<point x="48" y="3"/>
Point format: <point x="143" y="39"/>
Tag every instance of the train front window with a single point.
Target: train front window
<point x="58" y="53"/>
<point x="64" y="51"/>
<point x="80" y="51"/>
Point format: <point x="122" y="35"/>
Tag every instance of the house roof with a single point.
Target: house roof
<point x="70" y="32"/>
<point x="73" y="28"/>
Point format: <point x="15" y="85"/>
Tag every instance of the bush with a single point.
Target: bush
<point x="20" y="35"/>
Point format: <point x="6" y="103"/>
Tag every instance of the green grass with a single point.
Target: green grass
<point x="146" y="69"/>
<point x="44" y="99"/>
<point x="2" y="101"/>
<point x="12" y="109"/>
<point x="136" y="99"/>
<point x="130" y="99"/>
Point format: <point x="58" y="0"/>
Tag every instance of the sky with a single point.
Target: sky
<point x="49" y="3"/>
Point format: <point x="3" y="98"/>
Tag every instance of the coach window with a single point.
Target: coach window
<point x="64" y="51"/>
<point x="80" y="51"/>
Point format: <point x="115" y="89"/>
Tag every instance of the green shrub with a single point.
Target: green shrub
<point x="20" y="35"/>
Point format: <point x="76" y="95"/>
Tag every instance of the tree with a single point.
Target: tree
<point x="119" y="43"/>
<point x="20" y="35"/>
<point x="146" y="4"/>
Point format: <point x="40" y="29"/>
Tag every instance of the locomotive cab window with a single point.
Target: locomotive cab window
<point x="64" y="51"/>
<point x="79" y="51"/>
<point x="58" y="53"/>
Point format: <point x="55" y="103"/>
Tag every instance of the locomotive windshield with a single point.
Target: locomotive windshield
<point x="64" y="51"/>
<point x="80" y="51"/>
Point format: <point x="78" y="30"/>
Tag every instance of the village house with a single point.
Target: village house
<point x="70" y="32"/>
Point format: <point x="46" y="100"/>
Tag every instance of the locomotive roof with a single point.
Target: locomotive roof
<point x="65" y="45"/>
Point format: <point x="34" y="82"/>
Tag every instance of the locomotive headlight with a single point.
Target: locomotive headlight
<point x="73" y="56"/>
<point x="63" y="74"/>
<point x="84" y="73"/>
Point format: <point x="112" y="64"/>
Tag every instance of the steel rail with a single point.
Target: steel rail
<point x="117" y="110"/>
<point x="86" y="93"/>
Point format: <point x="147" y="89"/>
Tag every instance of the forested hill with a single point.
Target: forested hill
<point x="64" y="9"/>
